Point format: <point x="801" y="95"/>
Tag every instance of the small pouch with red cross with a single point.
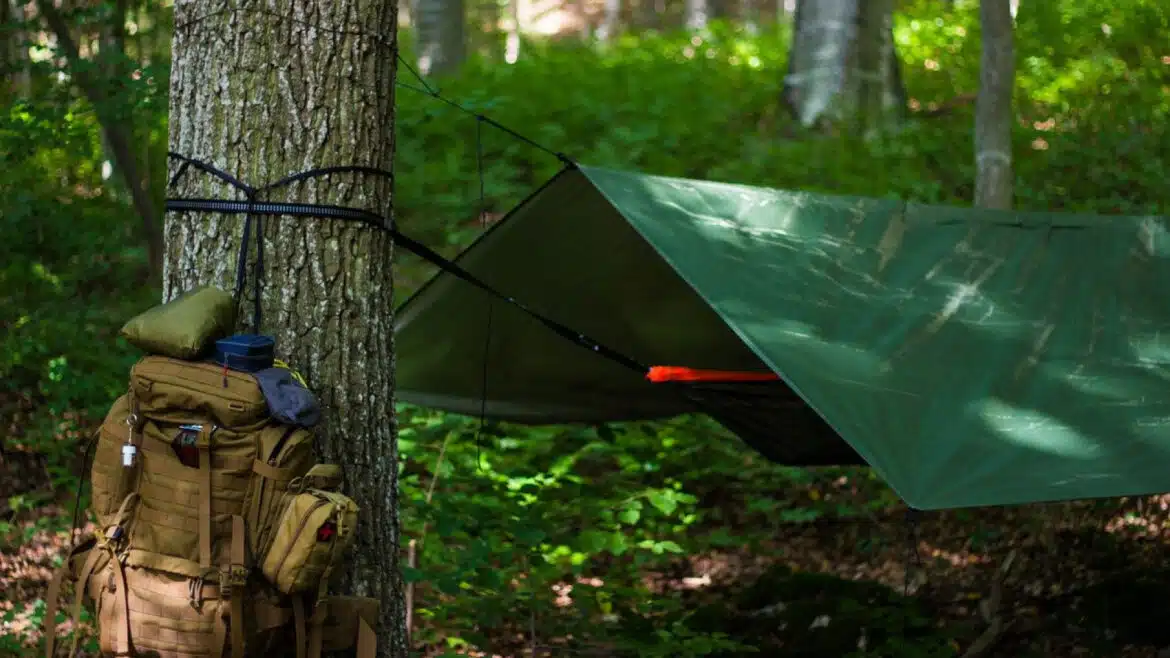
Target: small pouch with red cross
<point x="313" y="535"/>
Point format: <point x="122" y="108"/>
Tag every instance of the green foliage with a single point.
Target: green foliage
<point x="521" y="520"/>
<point x="72" y="259"/>
<point x="524" y="511"/>
<point x="1092" y="109"/>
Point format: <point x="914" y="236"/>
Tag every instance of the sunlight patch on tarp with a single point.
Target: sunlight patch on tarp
<point x="1036" y="430"/>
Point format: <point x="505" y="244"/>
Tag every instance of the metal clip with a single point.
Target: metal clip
<point x="195" y="589"/>
<point x="129" y="450"/>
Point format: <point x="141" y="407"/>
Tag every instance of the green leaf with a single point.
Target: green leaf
<point x="663" y="500"/>
<point x="446" y="525"/>
<point x="529" y="535"/>
<point x="594" y="541"/>
<point x="631" y="513"/>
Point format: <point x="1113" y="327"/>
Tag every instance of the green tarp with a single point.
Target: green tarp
<point x="972" y="357"/>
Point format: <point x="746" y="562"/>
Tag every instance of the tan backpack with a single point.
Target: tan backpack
<point x="218" y="531"/>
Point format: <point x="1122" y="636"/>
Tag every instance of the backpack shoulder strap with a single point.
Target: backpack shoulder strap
<point x="93" y="549"/>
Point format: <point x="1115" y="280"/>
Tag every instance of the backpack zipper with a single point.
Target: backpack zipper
<point x="272" y="459"/>
<point x="300" y="528"/>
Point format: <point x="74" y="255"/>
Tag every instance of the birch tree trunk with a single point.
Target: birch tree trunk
<point x="442" y="43"/>
<point x="697" y="12"/>
<point x="993" y="107"/>
<point x="270" y="88"/>
<point x="611" y="21"/>
<point x="843" y="64"/>
<point x="16" y="49"/>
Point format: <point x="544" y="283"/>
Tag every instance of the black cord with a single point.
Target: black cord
<point x="84" y="468"/>
<point x="487" y="340"/>
<point x="252" y="207"/>
<point x="428" y="90"/>
<point x="257" y="282"/>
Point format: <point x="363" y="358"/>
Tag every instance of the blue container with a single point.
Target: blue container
<point x="245" y="352"/>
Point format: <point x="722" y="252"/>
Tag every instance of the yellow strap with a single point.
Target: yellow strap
<point x="367" y="640"/>
<point x="295" y="375"/>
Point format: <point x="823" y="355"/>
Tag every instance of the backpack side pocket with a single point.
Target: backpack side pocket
<point x="315" y="531"/>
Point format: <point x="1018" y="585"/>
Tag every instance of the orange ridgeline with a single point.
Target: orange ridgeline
<point x="660" y="374"/>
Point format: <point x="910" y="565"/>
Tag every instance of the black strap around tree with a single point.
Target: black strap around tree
<point x="253" y="206"/>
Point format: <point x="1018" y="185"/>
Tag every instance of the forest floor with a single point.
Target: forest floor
<point x="1087" y="579"/>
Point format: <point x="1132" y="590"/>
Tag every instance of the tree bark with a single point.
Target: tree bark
<point x="993" y="107"/>
<point x="843" y="64"/>
<point x="267" y="89"/>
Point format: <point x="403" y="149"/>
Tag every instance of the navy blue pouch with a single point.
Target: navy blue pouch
<point x="245" y="352"/>
<point x="289" y="402"/>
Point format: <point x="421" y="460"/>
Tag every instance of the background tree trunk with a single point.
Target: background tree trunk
<point x="14" y="62"/>
<point x="442" y="44"/>
<point x="843" y="63"/>
<point x="8" y="51"/>
<point x="267" y="89"/>
<point x="697" y="13"/>
<point x="117" y="137"/>
<point x="515" y="31"/>
<point x="611" y="21"/>
<point x="993" y="107"/>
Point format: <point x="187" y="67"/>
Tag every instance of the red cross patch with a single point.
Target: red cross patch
<point x="327" y="531"/>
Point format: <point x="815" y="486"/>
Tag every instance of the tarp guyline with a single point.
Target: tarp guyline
<point x="972" y="357"/>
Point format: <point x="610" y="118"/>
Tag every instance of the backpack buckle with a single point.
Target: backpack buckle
<point x="234" y="576"/>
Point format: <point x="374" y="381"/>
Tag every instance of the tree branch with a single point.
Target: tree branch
<point x="992" y="614"/>
<point x="116" y="136"/>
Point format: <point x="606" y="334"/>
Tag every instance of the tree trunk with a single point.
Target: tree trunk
<point x="697" y="14"/>
<point x="993" y="107"/>
<point x="18" y="49"/>
<point x="441" y="42"/>
<point x="265" y="90"/>
<point x="749" y="12"/>
<point x="512" y="39"/>
<point x="843" y="64"/>
<point x="611" y="21"/>
<point x="8" y="51"/>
